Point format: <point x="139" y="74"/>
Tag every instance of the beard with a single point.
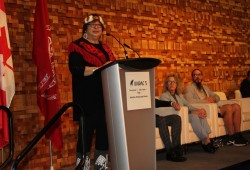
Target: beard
<point x="199" y="86"/>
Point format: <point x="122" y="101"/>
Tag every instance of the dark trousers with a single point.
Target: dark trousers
<point x="162" y="122"/>
<point x="94" y="124"/>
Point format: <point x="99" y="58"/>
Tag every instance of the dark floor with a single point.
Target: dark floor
<point x="197" y="159"/>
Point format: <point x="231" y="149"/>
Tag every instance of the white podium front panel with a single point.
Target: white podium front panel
<point x="131" y="131"/>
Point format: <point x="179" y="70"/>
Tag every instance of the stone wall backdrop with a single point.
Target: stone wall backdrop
<point x="213" y="35"/>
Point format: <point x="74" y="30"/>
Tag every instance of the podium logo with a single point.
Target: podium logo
<point x="138" y="83"/>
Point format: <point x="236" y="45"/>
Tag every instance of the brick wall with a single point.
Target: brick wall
<point x="212" y="35"/>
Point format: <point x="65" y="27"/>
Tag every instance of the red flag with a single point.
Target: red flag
<point x="48" y="98"/>
<point x="7" y="82"/>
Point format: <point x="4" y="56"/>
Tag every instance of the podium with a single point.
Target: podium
<point x="129" y="96"/>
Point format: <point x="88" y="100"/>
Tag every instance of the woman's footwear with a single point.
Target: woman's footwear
<point x="209" y="148"/>
<point x="176" y="154"/>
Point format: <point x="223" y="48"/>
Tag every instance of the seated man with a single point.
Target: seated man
<point x="231" y="113"/>
<point x="245" y="86"/>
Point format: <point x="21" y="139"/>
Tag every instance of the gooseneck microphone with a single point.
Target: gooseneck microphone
<point x="131" y="49"/>
<point x="125" y="52"/>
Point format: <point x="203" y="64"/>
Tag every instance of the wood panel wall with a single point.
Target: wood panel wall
<point x="213" y="35"/>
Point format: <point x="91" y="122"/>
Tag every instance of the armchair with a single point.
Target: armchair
<point x="184" y="119"/>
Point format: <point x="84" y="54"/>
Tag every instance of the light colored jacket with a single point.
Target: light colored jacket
<point x="180" y="98"/>
<point x="191" y="94"/>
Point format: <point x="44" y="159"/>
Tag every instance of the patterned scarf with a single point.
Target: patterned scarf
<point x="90" y="53"/>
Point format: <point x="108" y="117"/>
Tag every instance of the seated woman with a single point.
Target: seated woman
<point x="197" y="117"/>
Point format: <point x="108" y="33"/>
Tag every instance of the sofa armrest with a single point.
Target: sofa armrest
<point x="244" y="103"/>
<point x="237" y="94"/>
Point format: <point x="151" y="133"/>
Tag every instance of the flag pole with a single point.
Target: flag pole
<point x="2" y="155"/>
<point x="50" y="151"/>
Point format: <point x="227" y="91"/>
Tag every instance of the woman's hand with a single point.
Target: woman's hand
<point x="176" y="106"/>
<point x="89" y="70"/>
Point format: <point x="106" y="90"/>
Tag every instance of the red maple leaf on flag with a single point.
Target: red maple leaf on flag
<point x="4" y="49"/>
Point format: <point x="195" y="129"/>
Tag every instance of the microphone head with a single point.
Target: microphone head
<point x="108" y="34"/>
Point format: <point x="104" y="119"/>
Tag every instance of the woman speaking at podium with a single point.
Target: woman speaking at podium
<point x="86" y="54"/>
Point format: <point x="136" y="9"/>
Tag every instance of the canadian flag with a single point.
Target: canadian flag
<point x="7" y="82"/>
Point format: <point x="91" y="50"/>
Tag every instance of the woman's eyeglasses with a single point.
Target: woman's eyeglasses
<point x="95" y="25"/>
<point x="171" y="82"/>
